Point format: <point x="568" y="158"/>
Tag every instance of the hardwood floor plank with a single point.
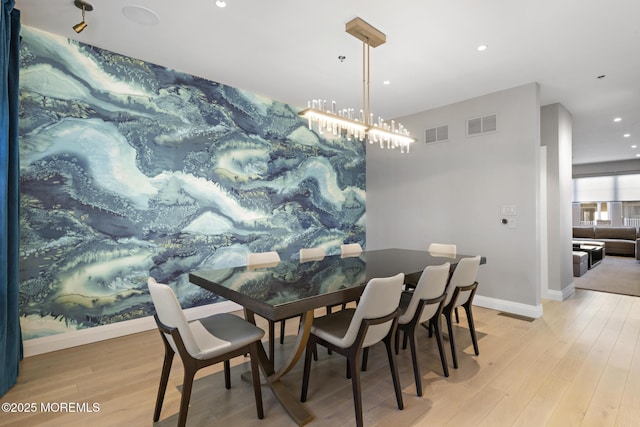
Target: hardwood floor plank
<point x="594" y="352"/>
<point x="577" y="365"/>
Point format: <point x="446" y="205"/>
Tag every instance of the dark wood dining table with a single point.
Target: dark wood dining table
<point x="289" y="288"/>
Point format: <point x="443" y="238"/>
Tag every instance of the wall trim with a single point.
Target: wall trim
<point x="51" y="343"/>
<point x="534" y="311"/>
<point x="560" y="295"/>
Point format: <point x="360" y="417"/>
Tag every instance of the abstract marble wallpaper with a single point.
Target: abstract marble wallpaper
<point x="129" y="169"/>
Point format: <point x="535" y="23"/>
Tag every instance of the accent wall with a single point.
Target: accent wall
<point x="131" y="170"/>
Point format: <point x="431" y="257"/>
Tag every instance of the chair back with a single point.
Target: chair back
<point x="350" y="249"/>
<point x="432" y="284"/>
<point x="171" y="315"/>
<point x="465" y="274"/>
<point x="380" y="298"/>
<point x="442" y="249"/>
<point x="263" y="259"/>
<point x="312" y="254"/>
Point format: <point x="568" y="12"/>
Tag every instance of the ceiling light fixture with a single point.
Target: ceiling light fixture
<point x="627" y="135"/>
<point x="617" y="119"/>
<point x="344" y="122"/>
<point x="482" y="47"/>
<point x="86" y="7"/>
<point x="221" y="3"/>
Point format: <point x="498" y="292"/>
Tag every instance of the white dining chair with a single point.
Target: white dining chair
<point x="442" y="249"/>
<point x="350" y="249"/>
<point x="424" y="306"/>
<point x="260" y="260"/>
<point x="312" y="254"/>
<point x="201" y="343"/>
<point x="460" y="292"/>
<point x="349" y="332"/>
<point x="445" y="250"/>
<point x="347" y="250"/>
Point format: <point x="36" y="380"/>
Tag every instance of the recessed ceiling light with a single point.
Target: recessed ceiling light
<point x="637" y="155"/>
<point x="617" y="119"/>
<point x="634" y="146"/>
<point x="221" y="3"/>
<point x="627" y="135"/>
<point x="141" y="15"/>
<point x="386" y="82"/>
<point x="482" y="47"/>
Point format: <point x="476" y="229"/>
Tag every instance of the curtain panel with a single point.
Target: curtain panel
<point x="10" y="334"/>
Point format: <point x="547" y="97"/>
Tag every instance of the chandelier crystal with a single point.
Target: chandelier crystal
<point x="345" y="122"/>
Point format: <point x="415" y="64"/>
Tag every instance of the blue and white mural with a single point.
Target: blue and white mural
<point x="129" y="169"/>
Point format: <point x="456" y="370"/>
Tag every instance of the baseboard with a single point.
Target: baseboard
<point x="51" y="343"/>
<point x="560" y="295"/>
<point x="508" y="306"/>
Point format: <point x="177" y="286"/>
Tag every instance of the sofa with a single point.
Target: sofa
<point x="617" y="240"/>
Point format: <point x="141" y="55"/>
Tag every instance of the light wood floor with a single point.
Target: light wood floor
<point x="578" y="365"/>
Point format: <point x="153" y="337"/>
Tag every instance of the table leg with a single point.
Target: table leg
<point x="296" y="409"/>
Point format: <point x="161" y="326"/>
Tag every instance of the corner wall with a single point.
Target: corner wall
<point x="556" y="135"/>
<point x="454" y="192"/>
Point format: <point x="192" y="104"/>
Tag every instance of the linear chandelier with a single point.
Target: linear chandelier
<point x="345" y="122"/>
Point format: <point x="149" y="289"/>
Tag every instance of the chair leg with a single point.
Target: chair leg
<point x="187" y="385"/>
<point x="394" y="372"/>
<point x="457" y="317"/>
<point x="164" y="378"/>
<point x="282" y="323"/>
<point x="272" y="333"/>
<point x="397" y="341"/>
<point x="435" y="324"/>
<point x="227" y="374"/>
<point x="352" y="364"/>
<point x="255" y="376"/>
<point x="307" y="369"/>
<point x="451" y="340"/>
<point x="414" y="359"/>
<point x="365" y="358"/>
<point x="472" y="327"/>
<point x="405" y="338"/>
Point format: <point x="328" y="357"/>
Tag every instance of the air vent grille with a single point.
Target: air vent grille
<point x="482" y="125"/>
<point x="436" y="134"/>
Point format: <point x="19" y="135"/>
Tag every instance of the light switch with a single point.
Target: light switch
<point x="508" y="209"/>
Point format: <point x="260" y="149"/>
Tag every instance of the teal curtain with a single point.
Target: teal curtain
<point x="10" y="334"/>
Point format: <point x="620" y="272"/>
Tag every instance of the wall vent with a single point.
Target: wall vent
<point x="437" y="134"/>
<point x="482" y="125"/>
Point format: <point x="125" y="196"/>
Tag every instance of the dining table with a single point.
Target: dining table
<point x="292" y="288"/>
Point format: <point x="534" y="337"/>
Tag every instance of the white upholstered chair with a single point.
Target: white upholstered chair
<point x="349" y="332"/>
<point x="262" y="259"/>
<point x="259" y="260"/>
<point x="312" y="254"/>
<point x="442" y="249"/>
<point x="201" y="343"/>
<point x="460" y="292"/>
<point x="347" y="250"/>
<point x="424" y="306"/>
<point x="350" y="249"/>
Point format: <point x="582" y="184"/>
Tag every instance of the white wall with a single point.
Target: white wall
<point x="556" y="135"/>
<point x="452" y="192"/>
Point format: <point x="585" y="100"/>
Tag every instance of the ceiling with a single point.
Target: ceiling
<point x="288" y="50"/>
